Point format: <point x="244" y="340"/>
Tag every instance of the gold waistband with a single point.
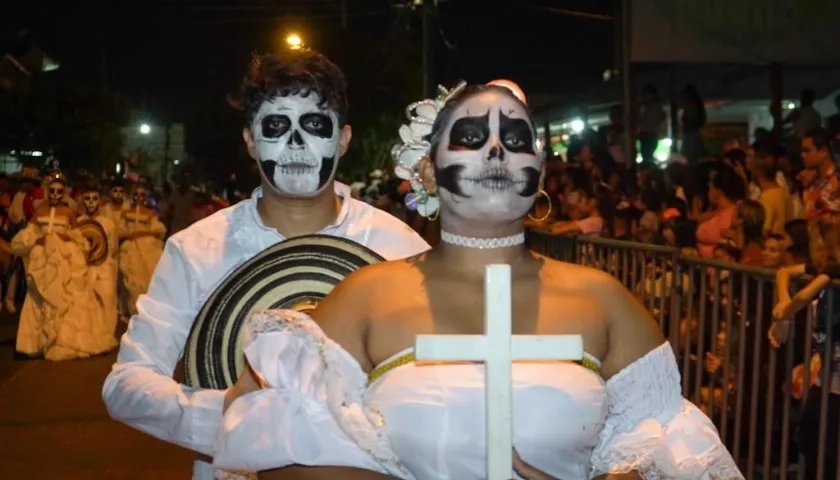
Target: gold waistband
<point x="407" y="358"/>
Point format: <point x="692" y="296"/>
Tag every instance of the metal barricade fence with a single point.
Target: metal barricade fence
<point x="717" y="317"/>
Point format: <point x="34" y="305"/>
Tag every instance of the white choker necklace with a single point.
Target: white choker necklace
<point x="482" y="243"/>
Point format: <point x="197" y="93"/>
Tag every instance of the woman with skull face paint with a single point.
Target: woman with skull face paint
<point x="344" y="385"/>
<point x="102" y="277"/>
<point x="141" y="244"/>
<point x="56" y="316"/>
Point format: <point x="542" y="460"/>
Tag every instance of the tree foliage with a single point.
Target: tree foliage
<point x="383" y="79"/>
<point x="80" y="125"/>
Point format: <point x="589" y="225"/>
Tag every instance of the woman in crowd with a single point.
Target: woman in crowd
<point x="748" y="232"/>
<point x="725" y="189"/>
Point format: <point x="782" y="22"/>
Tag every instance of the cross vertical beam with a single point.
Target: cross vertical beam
<point x="498" y="389"/>
<point x="497" y="348"/>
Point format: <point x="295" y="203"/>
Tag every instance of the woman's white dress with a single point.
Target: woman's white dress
<point x="426" y="421"/>
<point x="138" y="257"/>
<point x="58" y="315"/>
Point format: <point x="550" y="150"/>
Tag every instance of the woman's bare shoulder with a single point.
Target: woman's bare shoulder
<point x="565" y="274"/>
<point x="378" y="274"/>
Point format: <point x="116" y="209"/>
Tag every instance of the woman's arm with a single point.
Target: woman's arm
<point x="783" y="280"/>
<point x="804" y="296"/>
<point x="565" y="228"/>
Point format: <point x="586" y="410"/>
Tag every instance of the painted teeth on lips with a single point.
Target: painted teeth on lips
<point x="296" y="168"/>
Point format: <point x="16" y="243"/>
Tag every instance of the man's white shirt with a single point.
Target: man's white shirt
<point x="140" y="390"/>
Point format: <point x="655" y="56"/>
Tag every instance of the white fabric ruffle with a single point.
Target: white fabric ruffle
<point x="313" y="413"/>
<point x="651" y="429"/>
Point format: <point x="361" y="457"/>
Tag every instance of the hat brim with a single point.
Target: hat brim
<point x="295" y="274"/>
<point x="95" y="234"/>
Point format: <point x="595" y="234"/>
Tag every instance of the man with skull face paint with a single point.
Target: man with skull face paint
<point x="295" y="109"/>
<point x="102" y="277"/>
<point x="57" y="316"/>
<point x="113" y="209"/>
<point x="617" y="414"/>
<point x="141" y="244"/>
<point x="116" y="204"/>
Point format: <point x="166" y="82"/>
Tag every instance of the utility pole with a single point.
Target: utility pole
<point x="344" y="13"/>
<point x="627" y="86"/>
<point x="427" y="47"/>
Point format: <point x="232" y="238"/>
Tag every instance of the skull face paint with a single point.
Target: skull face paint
<point x="487" y="166"/>
<point x="117" y="194"/>
<point x="55" y="193"/>
<point x="297" y="144"/>
<point x="91" y="200"/>
<point x="140" y="196"/>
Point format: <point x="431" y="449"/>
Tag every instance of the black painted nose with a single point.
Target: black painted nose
<point x="496" y="153"/>
<point x="295" y="140"/>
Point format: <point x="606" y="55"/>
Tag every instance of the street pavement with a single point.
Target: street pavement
<point x="53" y="424"/>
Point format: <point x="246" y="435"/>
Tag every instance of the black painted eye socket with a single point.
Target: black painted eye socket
<point x="274" y="126"/>
<point x="317" y="124"/>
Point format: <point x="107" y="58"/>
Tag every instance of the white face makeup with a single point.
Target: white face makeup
<point x="117" y="194"/>
<point x="91" y="201"/>
<point x="140" y="197"/>
<point x="297" y="144"/>
<point x="55" y="193"/>
<point x="487" y="163"/>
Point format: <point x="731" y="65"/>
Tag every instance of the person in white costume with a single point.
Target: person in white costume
<point x="116" y="204"/>
<point x="113" y="209"/>
<point x="57" y="316"/>
<point x="295" y="109"/>
<point x="338" y="395"/>
<point x="141" y="245"/>
<point x="102" y="278"/>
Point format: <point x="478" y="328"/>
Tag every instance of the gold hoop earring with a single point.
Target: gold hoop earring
<point x="548" y="213"/>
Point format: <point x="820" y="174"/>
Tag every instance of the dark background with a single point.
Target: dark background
<point x="177" y="62"/>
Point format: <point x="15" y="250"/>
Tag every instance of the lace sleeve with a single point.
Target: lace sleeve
<point x="652" y="430"/>
<point x="311" y="412"/>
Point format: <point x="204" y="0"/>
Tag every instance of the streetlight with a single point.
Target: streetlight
<point x="145" y="129"/>
<point x="294" y="41"/>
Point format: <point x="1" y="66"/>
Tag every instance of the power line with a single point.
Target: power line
<point x="573" y="13"/>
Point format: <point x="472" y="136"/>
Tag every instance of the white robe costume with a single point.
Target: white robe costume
<point x="58" y="314"/>
<point x="139" y="256"/>
<point x="102" y="278"/>
<point x="426" y="422"/>
<point x="114" y="211"/>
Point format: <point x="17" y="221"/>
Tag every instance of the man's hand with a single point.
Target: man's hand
<point x="782" y="310"/>
<point x="246" y="384"/>
<point x="713" y="362"/>
<point x="778" y="333"/>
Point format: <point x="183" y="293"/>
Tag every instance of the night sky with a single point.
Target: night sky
<point x="176" y="62"/>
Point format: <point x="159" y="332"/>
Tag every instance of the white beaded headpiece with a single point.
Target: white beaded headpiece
<point x="415" y="145"/>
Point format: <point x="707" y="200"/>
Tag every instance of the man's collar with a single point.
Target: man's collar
<point x="341" y="190"/>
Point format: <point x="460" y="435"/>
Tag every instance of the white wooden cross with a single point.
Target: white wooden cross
<point x="497" y="348"/>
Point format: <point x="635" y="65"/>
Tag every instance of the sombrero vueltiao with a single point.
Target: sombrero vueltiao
<point x="293" y="274"/>
<point x="97" y="240"/>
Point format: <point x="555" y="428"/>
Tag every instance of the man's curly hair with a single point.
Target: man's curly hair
<point x="292" y="72"/>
